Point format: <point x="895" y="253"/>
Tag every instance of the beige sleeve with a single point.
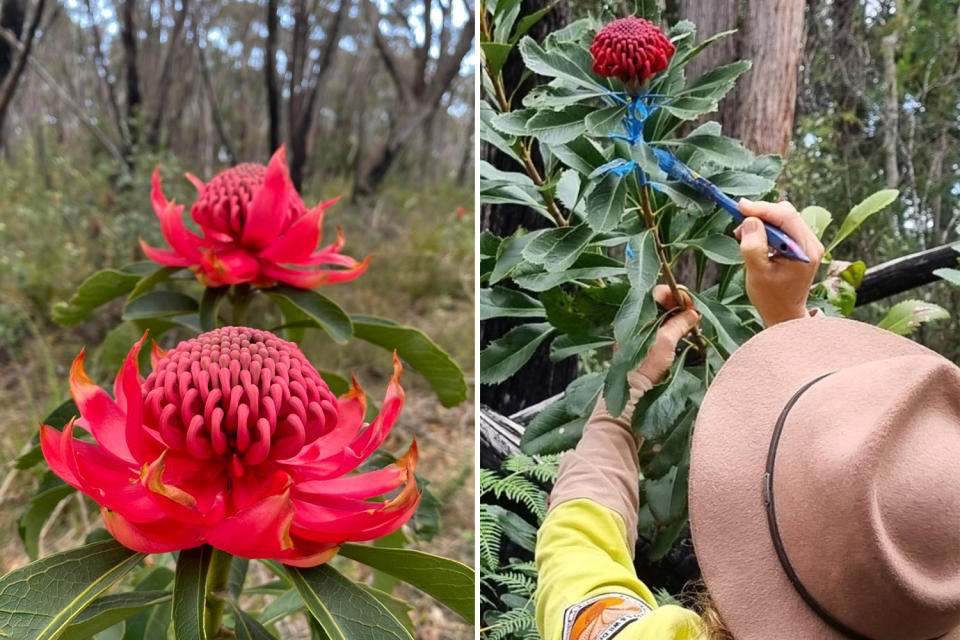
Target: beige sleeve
<point x="604" y="466"/>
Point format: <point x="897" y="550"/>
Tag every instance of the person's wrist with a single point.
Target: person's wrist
<point x="784" y="315"/>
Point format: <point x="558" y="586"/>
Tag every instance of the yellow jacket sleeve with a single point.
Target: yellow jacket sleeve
<point x="587" y="587"/>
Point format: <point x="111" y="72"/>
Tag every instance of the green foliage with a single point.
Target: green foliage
<point x="342" y="608"/>
<point x="512" y="506"/>
<point x="30" y="610"/>
<point x="450" y="582"/>
<point x="618" y="226"/>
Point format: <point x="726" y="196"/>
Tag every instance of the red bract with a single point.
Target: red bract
<point x="234" y="440"/>
<point x="254" y="222"/>
<point x="632" y="49"/>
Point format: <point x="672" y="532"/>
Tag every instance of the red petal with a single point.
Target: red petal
<point x="297" y="242"/>
<point x="265" y="214"/>
<point x="195" y="181"/>
<point x="186" y="491"/>
<point x="184" y="242"/>
<point x="230" y="267"/>
<point x="260" y="531"/>
<point x="103" y="417"/>
<point x="307" y="553"/>
<point x="166" y="257"/>
<point x="92" y="470"/>
<point x="157" y="199"/>
<point x="158" y="536"/>
<point x="312" y="279"/>
<point x="255" y="485"/>
<point x="50" y="445"/>
<point x="363" y="485"/>
<point x="321" y="524"/>
<point x="143" y="447"/>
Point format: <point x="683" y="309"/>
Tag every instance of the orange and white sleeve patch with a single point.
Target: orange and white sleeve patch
<point x="602" y="617"/>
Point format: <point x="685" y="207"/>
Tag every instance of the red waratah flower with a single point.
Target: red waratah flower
<point x="254" y="222"/>
<point x="632" y="49"/>
<point x="234" y="440"/>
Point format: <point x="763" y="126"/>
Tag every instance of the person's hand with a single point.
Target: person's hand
<point x="778" y="287"/>
<point x="663" y="352"/>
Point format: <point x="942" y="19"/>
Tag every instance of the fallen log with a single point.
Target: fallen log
<point x="905" y="273"/>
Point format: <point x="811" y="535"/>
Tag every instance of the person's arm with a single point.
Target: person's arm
<point x="587" y="584"/>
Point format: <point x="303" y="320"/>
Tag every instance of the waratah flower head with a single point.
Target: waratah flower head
<point x="234" y="440"/>
<point x="255" y="228"/>
<point x="631" y="49"/>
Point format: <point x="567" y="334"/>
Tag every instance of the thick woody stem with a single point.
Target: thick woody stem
<point x="504" y="103"/>
<point x="647" y="210"/>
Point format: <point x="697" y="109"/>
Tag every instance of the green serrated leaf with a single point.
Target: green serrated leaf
<point x="344" y="610"/>
<point x="904" y="317"/>
<point x="321" y="310"/>
<point x="603" y="122"/>
<point x="189" y="592"/>
<point x="98" y="289"/>
<point x="817" y="218"/>
<point x="247" y="628"/>
<point x="605" y="203"/>
<point x="109" y="610"/>
<point x="416" y="349"/>
<point x="861" y="212"/>
<point x="31" y="610"/>
<point x="557" y="249"/>
<point x="159" y="304"/>
<point x="500" y="302"/>
<point x="720" y="248"/>
<point x="448" y="581"/>
<point x="506" y="355"/>
<point x="558" y="127"/>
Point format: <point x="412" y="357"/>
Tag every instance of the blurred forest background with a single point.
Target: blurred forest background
<point x="857" y="96"/>
<point x="374" y="101"/>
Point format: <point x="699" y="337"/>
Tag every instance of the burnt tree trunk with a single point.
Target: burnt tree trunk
<point x="306" y="79"/>
<point x="540" y="378"/>
<point x="13" y="13"/>
<point x="16" y="60"/>
<point x="906" y="272"/>
<point x="270" y="71"/>
<point x="128" y="36"/>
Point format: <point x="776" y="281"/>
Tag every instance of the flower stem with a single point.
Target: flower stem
<point x="241" y="297"/>
<point x="217" y="577"/>
<point x="648" y="216"/>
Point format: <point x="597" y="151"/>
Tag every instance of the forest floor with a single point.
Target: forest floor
<point x="421" y="276"/>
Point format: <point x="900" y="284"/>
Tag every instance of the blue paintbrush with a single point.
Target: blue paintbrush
<point x="777" y="239"/>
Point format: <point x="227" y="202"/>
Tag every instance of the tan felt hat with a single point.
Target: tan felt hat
<point x="825" y="486"/>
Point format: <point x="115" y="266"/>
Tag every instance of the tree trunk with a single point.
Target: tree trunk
<point x="173" y="45"/>
<point x="306" y="79"/>
<point x="418" y="96"/>
<point x="128" y="36"/>
<point x="540" y="378"/>
<point x="13" y="13"/>
<point x="759" y="111"/>
<point x="10" y="80"/>
<point x="891" y="110"/>
<point x="214" y="107"/>
<point x="270" y="70"/>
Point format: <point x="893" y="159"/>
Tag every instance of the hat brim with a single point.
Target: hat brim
<point x="730" y="442"/>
